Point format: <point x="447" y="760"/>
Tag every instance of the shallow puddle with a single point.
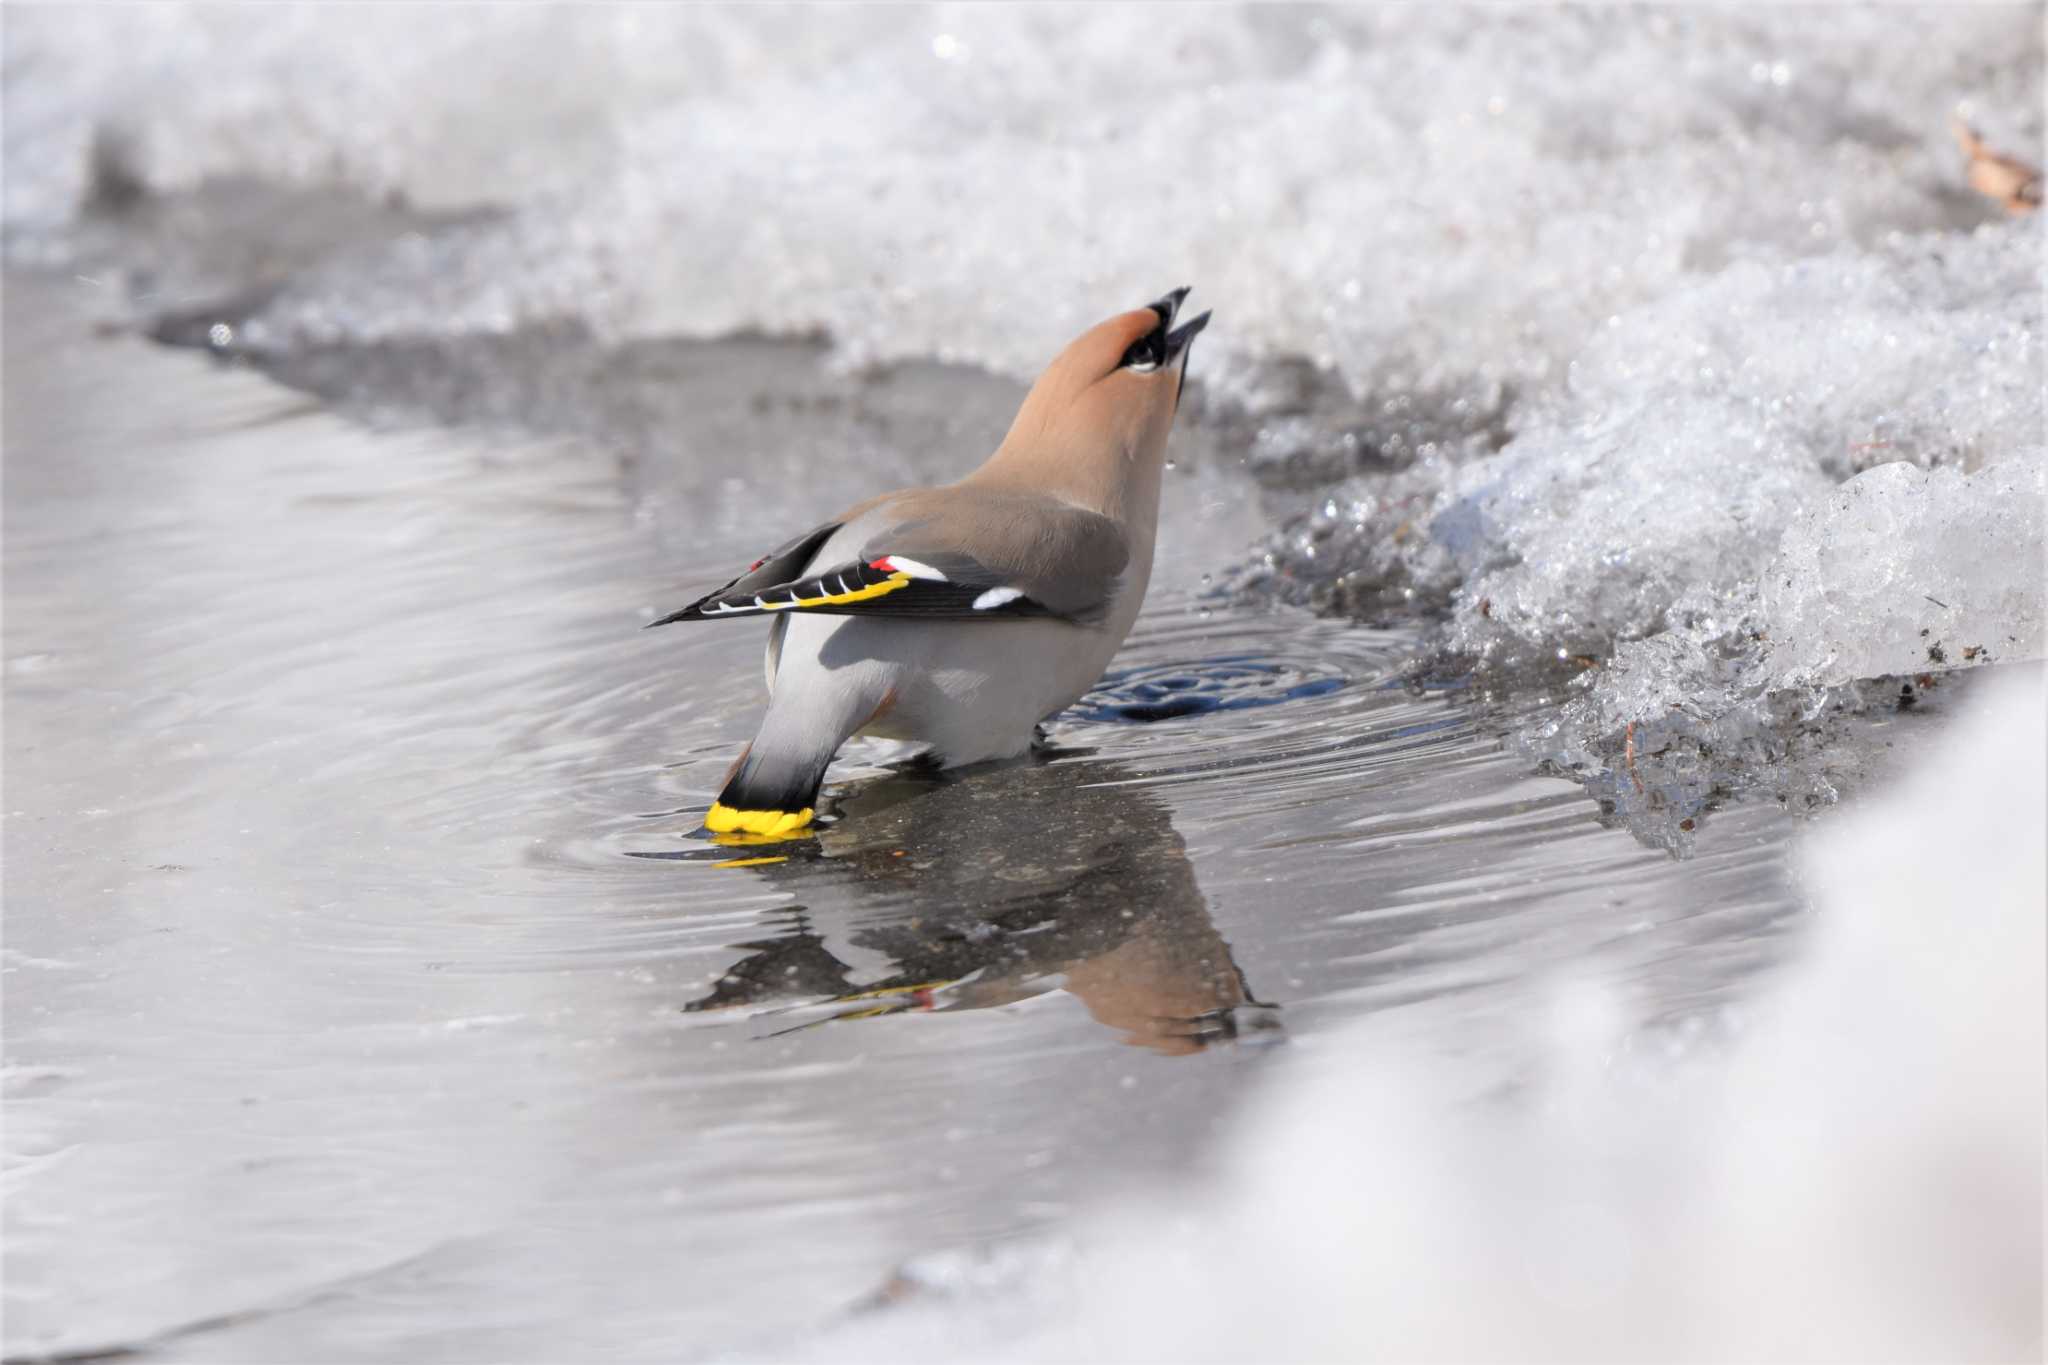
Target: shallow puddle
<point x="371" y="993"/>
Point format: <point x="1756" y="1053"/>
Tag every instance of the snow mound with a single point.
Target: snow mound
<point x="1416" y="200"/>
<point x="1787" y="477"/>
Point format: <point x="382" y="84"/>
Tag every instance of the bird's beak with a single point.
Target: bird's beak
<point x="1178" y="339"/>
<point x="1177" y="343"/>
<point x="1170" y="305"/>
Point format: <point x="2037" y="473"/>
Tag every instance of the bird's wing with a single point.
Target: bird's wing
<point x="777" y="566"/>
<point x="946" y="553"/>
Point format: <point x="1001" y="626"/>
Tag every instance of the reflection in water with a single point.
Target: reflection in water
<point x="925" y="874"/>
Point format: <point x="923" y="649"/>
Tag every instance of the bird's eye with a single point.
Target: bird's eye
<point x="1147" y="352"/>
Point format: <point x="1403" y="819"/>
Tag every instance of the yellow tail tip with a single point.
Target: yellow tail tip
<point x="723" y="819"/>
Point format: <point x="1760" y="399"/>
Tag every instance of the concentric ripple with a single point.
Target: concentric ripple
<point x="1229" y="682"/>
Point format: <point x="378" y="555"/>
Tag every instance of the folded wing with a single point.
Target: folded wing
<point x="941" y="554"/>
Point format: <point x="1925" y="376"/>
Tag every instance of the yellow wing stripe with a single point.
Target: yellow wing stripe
<point x="888" y="585"/>
<point x="887" y="991"/>
<point x="724" y="819"/>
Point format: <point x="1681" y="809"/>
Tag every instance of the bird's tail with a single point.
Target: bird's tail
<point x="773" y="790"/>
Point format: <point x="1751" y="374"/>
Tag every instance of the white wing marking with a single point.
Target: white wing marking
<point x="997" y="597"/>
<point x="914" y="568"/>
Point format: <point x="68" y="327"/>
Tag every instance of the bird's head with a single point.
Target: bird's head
<point x="1110" y="396"/>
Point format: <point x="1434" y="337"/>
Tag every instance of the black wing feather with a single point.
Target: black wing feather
<point x="777" y="567"/>
<point x="877" y="588"/>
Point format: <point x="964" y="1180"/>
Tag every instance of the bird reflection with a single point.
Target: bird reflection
<point x="948" y="892"/>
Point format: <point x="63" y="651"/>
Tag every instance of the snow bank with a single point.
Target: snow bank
<point x="1785" y="477"/>
<point x="1419" y="199"/>
<point x="1693" y="431"/>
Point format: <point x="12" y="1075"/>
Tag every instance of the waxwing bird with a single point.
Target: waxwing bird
<point x="962" y="616"/>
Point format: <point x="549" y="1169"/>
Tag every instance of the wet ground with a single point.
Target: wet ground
<point x="371" y="996"/>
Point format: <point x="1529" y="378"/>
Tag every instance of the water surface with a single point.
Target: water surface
<point x="373" y="996"/>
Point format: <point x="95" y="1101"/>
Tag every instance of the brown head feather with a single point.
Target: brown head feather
<point x="1092" y="431"/>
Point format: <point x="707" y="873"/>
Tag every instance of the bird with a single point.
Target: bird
<point x="963" y="616"/>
